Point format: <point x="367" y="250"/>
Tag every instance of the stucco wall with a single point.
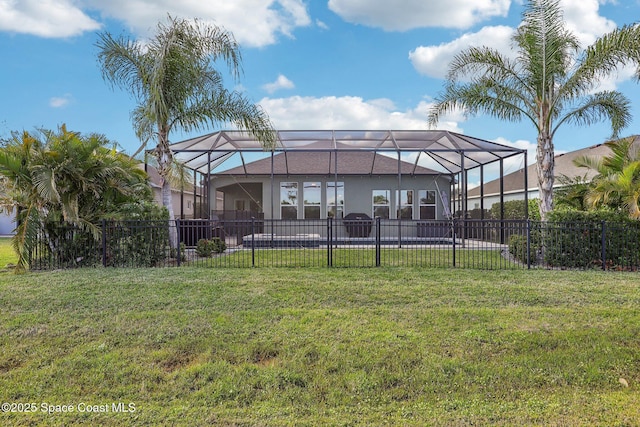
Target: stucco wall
<point x="7" y="224"/>
<point x="358" y="191"/>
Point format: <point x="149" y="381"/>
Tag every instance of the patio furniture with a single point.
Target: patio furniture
<point x="358" y="224"/>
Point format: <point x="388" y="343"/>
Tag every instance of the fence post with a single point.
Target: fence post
<point x="178" y="254"/>
<point x="329" y="241"/>
<point x="603" y="243"/>
<point x="453" y="228"/>
<point x="378" y="241"/>
<point x="528" y="244"/>
<point x="104" y="242"/>
<point x="253" y="241"/>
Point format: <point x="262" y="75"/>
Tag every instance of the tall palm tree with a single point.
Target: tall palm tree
<point x="617" y="183"/>
<point x="177" y="87"/>
<point x="550" y="82"/>
<point x="64" y="177"/>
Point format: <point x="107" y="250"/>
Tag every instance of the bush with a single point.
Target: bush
<point x="514" y="209"/>
<point x="518" y="248"/>
<point x="574" y="239"/>
<point x="205" y="248"/>
<point x="138" y="236"/>
<point x="183" y="252"/>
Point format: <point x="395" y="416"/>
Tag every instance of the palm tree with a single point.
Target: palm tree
<point x="176" y="87"/>
<point x="550" y="82"/>
<point x="617" y="183"/>
<point x="63" y="177"/>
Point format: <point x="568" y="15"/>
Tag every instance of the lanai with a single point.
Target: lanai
<point x="447" y="152"/>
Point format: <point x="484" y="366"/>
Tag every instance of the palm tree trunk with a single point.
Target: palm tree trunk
<point x="545" y="168"/>
<point x="164" y="157"/>
<point x="167" y="202"/>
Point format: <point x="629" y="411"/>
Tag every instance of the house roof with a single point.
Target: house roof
<point x="155" y="180"/>
<point x="324" y="163"/>
<point x="564" y="166"/>
<point x="445" y="151"/>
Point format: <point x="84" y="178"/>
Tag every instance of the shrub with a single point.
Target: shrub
<point x="205" y="248"/>
<point x="518" y="248"/>
<point x="574" y="239"/>
<point x="183" y="252"/>
<point x="138" y="236"/>
<point x="514" y="209"/>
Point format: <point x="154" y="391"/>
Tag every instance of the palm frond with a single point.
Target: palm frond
<point x="26" y="236"/>
<point x="611" y="105"/>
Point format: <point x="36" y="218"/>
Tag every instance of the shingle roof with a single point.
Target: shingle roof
<point x="324" y="163"/>
<point x="564" y="166"/>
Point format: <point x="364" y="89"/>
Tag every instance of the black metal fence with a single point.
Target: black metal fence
<point x="257" y="242"/>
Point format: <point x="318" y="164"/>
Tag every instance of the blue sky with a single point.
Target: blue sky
<point x="311" y="64"/>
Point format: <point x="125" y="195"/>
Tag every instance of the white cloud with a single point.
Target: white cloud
<point x="45" y="18"/>
<point x="252" y="22"/>
<point x="392" y="16"/>
<point x="320" y="24"/>
<point x="60" y="101"/>
<point x="582" y="18"/>
<point x="584" y="21"/>
<point x="347" y="112"/>
<point x="522" y="144"/>
<point x="434" y="61"/>
<point x="281" y="82"/>
<point x="511" y="164"/>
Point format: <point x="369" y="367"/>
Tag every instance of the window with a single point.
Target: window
<point x="381" y="203"/>
<point x="289" y="200"/>
<point x="404" y="200"/>
<point x="427" y="204"/>
<point x="334" y="209"/>
<point x="312" y="194"/>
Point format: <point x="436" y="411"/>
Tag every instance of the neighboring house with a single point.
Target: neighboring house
<point x="186" y="203"/>
<point x="513" y="183"/>
<point x="303" y="185"/>
<point x="7" y="224"/>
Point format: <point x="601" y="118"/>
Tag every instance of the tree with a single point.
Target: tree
<point x="52" y="178"/>
<point x="617" y="183"/>
<point x="572" y="192"/>
<point x="550" y="82"/>
<point x="176" y="86"/>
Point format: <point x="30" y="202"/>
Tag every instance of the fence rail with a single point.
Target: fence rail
<point x="257" y="242"/>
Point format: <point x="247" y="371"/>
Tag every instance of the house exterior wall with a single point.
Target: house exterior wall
<point x="358" y="192"/>
<point x="490" y="200"/>
<point x="187" y="207"/>
<point x="7" y="223"/>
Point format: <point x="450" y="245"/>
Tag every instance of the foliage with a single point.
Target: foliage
<point x="183" y="252"/>
<point x="177" y="87"/>
<point x="518" y="249"/>
<point x="59" y="179"/>
<point x="308" y="347"/>
<point x="205" y="248"/>
<point x="574" y="239"/>
<point x="139" y="237"/>
<point x="514" y="209"/>
<point x="550" y="82"/>
<point x="572" y="193"/>
<point x="617" y="183"/>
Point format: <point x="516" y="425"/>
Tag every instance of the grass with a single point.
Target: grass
<point x="361" y="257"/>
<point x="7" y="254"/>
<point x="318" y="346"/>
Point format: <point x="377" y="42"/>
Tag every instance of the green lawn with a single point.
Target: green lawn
<point x="318" y="346"/>
<point x="7" y="254"/>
